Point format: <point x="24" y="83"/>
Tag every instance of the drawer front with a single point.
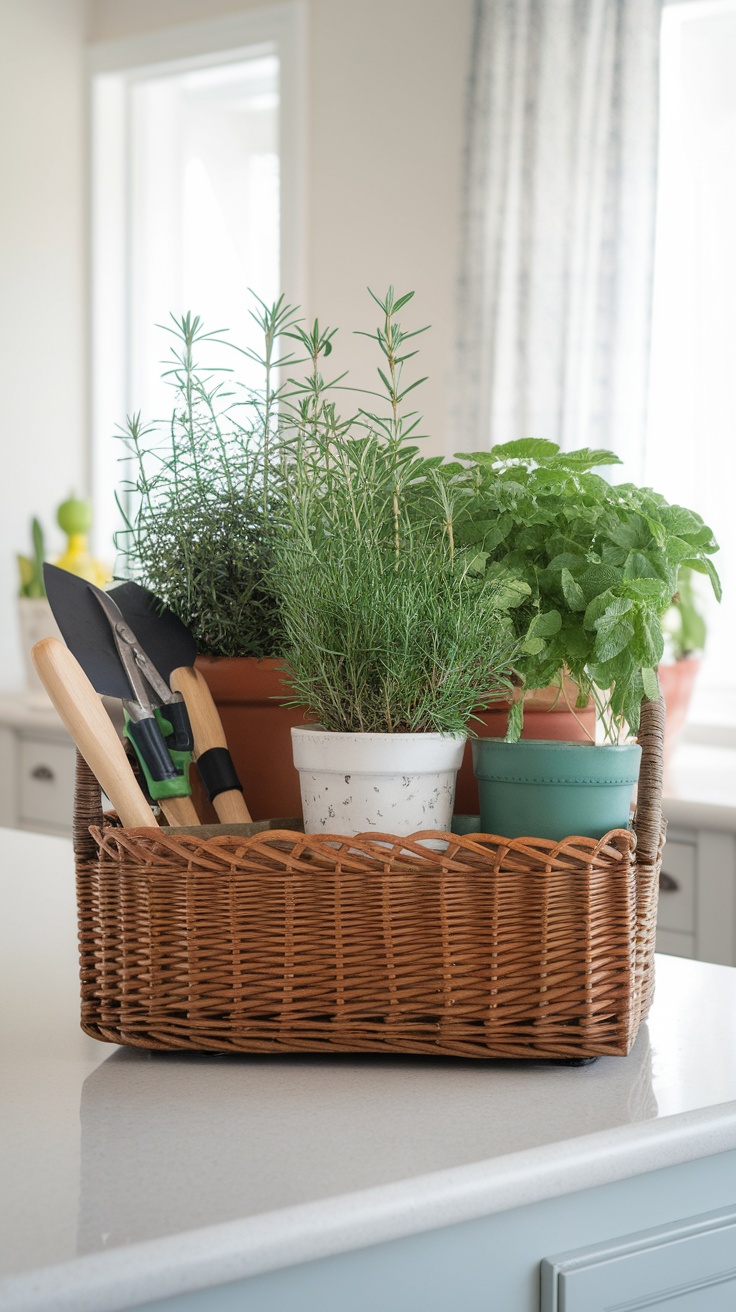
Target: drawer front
<point x="687" y="1266"/>
<point x="46" y="783"/>
<point x="677" y="889"/>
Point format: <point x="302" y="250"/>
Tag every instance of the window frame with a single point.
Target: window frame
<point x="113" y="68"/>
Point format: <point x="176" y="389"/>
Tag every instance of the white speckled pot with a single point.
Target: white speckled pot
<point x="393" y="783"/>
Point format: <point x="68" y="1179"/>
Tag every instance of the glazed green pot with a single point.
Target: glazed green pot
<point x="535" y="789"/>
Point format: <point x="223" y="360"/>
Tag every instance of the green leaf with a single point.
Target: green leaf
<point x="526" y="448"/>
<point x="546" y="478"/>
<point x="472" y="562"/>
<point x="712" y="573"/>
<point x="572" y="591"/>
<point x="639" y="566"/>
<point x="706" y="567"/>
<point x="648" y="589"/>
<point x="614" y="639"/>
<point x="651" y="638"/>
<point x="598" y="607"/>
<point x="586" y="458"/>
<point x="619" y="606"/>
<point x="533" y="646"/>
<point x="516" y="721"/>
<point x="411" y="387"/>
<point x="598" y="579"/>
<point x="510" y="592"/>
<point x="633" y="691"/>
<point x="650" y="681"/>
<point x="614" y="631"/>
<point x="480" y="457"/>
<point x="566" y="560"/>
<point x="680" y="522"/>
<point x="625" y="533"/>
<point x="545" y="625"/>
<point x="573" y="641"/>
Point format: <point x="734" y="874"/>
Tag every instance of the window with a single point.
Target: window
<point x="195" y="191"/>
<point x="691" y="445"/>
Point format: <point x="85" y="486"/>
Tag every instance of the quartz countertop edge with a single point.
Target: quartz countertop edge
<point x="139" y="1273"/>
<point x="687" y="813"/>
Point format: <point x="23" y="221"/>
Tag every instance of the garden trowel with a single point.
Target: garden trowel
<point x="170" y="649"/>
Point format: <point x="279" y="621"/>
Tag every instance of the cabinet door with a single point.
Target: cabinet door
<point x="677" y="888"/>
<point x="686" y="1267"/>
<point x="46" y="784"/>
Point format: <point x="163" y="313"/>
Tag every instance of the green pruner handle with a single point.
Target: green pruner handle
<point x="166" y="771"/>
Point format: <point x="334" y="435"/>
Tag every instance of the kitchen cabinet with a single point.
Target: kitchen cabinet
<point x="697" y="907"/>
<point x="189" y="1182"/>
<point x="686" y="1267"/>
<point x="37" y="761"/>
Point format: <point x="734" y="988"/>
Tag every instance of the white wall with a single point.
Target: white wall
<point x="386" y="99"/>
<point x="384" y="133"/>
<point x="42" y="292"/>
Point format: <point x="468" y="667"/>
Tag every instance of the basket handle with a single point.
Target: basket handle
<point x="648" y="816"/>
<point x="87" y="811"/>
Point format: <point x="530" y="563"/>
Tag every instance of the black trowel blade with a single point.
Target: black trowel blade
<point x="165" y="639"/>
<point x="86" y="631"/>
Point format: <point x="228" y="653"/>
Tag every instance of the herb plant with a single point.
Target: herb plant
<point x="386" y="629"/>
<point x="30" y="568"/>
<point x="201" y="502"/>
<point x="601" y="563"/>
<point x="684" y="624"/>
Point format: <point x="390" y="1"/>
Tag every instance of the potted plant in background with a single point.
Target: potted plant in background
<point x="601" y="563"/>
<point x="685" y="633"/>
<point x="34" y="613"/>
<point x="74" y="517"/>
<point x="391" y="638"/>
<point x="200" y="505"/>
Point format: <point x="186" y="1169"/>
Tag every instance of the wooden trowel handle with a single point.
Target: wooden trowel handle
<point x="86" y="719"/>
<point x="208" y="733"/>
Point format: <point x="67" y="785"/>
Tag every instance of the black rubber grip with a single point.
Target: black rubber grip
<point x="147" y="737"/>
<point x="217" y="772"/>
<point x="180" y="740"/>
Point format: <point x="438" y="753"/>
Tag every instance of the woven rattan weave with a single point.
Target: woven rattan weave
<point x="286" y="942"/>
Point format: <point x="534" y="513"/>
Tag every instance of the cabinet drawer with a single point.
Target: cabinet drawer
<point x="677" y="889"/>
<point x="687" y="1266"/>
<point x="46" y="783"/>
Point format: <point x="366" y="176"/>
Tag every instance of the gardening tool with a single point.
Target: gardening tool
<point x="172" y="649"/>
<point x="86" y="719"/>
<point x="156" y="719"/>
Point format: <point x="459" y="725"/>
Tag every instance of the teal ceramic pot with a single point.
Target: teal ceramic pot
<point x="535" y="789"/>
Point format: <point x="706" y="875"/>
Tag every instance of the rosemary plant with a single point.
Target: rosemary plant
<point x="201" y="503"/>
<point x="386" y="628"/>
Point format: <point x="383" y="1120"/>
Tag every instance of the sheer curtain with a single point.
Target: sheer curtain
<point x="560" y="199"/>
<point x="691" y="443"/>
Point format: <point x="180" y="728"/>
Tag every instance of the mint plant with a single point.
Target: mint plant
<point x="601" y="563"/>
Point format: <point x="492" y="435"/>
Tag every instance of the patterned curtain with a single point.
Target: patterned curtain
<point x="557" y="259"/>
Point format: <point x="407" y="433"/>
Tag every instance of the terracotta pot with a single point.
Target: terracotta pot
<point x="677" y="682"/>
<point x="546" y="716"/>
<point x="258" y="731"/>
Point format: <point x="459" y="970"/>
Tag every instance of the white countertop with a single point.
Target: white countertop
<point x="700" y="787"/>
<point x="126" y="1176"/>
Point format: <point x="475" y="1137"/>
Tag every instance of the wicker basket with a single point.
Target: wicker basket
<point x="285" y="942"/>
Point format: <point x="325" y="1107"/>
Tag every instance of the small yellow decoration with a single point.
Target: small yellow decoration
<point x="74" y="518"/>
